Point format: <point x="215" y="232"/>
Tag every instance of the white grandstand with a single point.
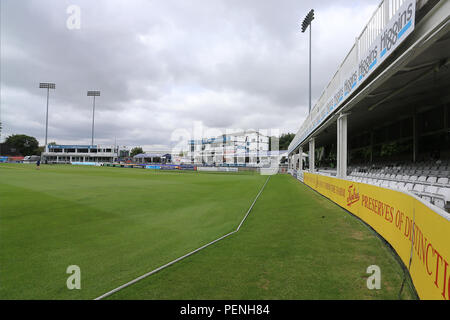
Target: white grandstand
<point x="384" y="118"/>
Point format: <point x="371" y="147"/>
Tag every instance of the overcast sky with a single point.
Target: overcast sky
<point x="167" y="65"/>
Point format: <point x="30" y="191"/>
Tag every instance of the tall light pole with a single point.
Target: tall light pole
<point x="307" y="22"/>
<point x="48" y="86"/>
<point x="93" y="94"/>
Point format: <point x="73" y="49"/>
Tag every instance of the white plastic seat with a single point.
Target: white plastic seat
<point x="418" y="188"/>
<point x="435" y="196"/>
<point x="445" y="193"/>
<point x="392" y="184"/>
<point x="439" y="202"/>
<point x="399" y="177"/>
<point x="409" y="186"/>
<point x="443" y="181"/>
<point x="422" y="179"/>
<point x="432" y="179"/>
<point x="413" y="178"/>
<point x="431" y="190"/>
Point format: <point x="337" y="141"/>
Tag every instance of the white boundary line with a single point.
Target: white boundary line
<point x="186" y="255"/>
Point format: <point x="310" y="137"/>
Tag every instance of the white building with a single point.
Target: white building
<point x="242" y="148"/>
<point x="80" y="153"/>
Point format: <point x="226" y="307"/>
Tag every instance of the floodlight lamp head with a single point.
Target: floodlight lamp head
<point x="47" y="85"/>
<point x="93" y="93"/>
<point x="307" y="21"/>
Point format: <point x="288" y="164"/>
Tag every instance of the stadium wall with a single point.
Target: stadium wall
<point x="410" y="226"/>
<point x="217" y="169"/>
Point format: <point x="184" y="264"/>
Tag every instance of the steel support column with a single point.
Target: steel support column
<point x="300" y="154"/>
<point x="312" y="169"/>
<point x="342" y="146"/>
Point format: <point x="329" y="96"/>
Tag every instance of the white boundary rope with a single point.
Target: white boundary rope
<point x="186" y="255"/>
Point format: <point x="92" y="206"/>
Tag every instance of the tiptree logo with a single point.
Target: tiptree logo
<point x="353" y="195"/>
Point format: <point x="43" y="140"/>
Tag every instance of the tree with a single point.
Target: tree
<point x="39" y="150"/>
<point x="25" y="145"/>
<point x="285" y="140"/>
<point x="136" y="150"/>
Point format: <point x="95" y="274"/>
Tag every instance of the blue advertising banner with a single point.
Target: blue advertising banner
<point x="153" y="167"/>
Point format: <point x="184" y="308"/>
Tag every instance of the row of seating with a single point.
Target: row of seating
<point x="423" y="179"/>
<point x="440" y="173"/>
<point x="437" y="195"/>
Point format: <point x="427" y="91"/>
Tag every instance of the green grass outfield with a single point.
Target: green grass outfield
<point x="119" y="223"/>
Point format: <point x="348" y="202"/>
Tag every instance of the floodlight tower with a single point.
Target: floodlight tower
<point x="307" y="22"/>
<point x="48" y="86"/>
<point x="93" y="94"/>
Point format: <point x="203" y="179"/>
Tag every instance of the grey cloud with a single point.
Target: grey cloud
<point x="162" y="65"/>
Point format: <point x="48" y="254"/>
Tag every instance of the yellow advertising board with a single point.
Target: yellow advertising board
<point x="403" y="221"/>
